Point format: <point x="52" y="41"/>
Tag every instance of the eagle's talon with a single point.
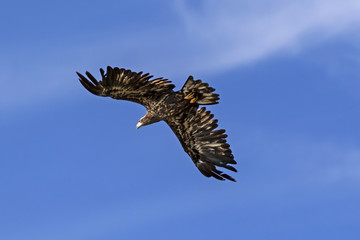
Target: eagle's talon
<point x="189" y="96"/>
<point x="193" y="100"/>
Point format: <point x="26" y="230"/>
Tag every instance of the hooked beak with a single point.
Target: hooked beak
<point x="138" y="125"/>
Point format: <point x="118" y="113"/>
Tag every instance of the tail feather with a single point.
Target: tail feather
<point x="202" y="93"/>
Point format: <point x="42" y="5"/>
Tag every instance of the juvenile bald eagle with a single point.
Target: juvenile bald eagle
<point x="195" y="128"/>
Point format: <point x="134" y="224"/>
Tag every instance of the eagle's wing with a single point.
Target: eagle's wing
<point x="127" y="85"/>
<point x="206" y="147"/>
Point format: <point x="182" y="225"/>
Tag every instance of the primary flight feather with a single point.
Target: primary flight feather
<point x="195" y="128"/>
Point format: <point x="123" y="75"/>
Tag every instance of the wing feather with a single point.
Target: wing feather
<point x="206" y="146"/>
<point x="122" y="84"/>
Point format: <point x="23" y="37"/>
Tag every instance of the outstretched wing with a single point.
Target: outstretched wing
<point x="123" y="84"/>
<point x="206" y="146"/>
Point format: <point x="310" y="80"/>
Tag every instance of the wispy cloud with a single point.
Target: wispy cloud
<point x="236" y="32"/>
<point x="309" y="167"/>
<point x="309" y="163"/>
<point x="212" y="36"/>
<point x="337" y="165"/>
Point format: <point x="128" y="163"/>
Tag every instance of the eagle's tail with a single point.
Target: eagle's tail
<point x="198" y="92"/>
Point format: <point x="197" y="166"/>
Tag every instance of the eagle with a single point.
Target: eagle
<point x="194" y="127"/>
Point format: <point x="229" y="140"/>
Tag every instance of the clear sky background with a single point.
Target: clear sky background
<point x="73" y="166"/>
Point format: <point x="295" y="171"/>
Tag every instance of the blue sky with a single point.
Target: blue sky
<point x="74" y="167"/>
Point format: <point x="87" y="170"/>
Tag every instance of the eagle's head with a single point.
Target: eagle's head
<point x="149" y="118"/>
<point x="139" y="124"/>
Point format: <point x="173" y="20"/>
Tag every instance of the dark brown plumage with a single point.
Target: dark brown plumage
<point x="195" y="128"/>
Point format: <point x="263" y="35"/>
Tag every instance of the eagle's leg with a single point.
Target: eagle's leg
<point x="191" y="97"/>
<point x="193" y="100"/>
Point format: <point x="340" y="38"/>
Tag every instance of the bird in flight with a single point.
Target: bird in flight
<point x="195" y="128"/>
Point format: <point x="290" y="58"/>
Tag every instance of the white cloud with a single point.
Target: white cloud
<point x="236" y="32"/>
<point x="213" y="36"/>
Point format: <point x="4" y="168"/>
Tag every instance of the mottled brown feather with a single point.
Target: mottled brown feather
<point x="195" y="128"/>
<point x="122" y="84"/>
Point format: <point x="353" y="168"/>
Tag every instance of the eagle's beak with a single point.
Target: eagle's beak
<point x="138" y="125"/>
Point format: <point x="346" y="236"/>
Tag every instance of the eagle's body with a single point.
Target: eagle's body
<point x="168" y="105"/>
<point x="194" y="128"/>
